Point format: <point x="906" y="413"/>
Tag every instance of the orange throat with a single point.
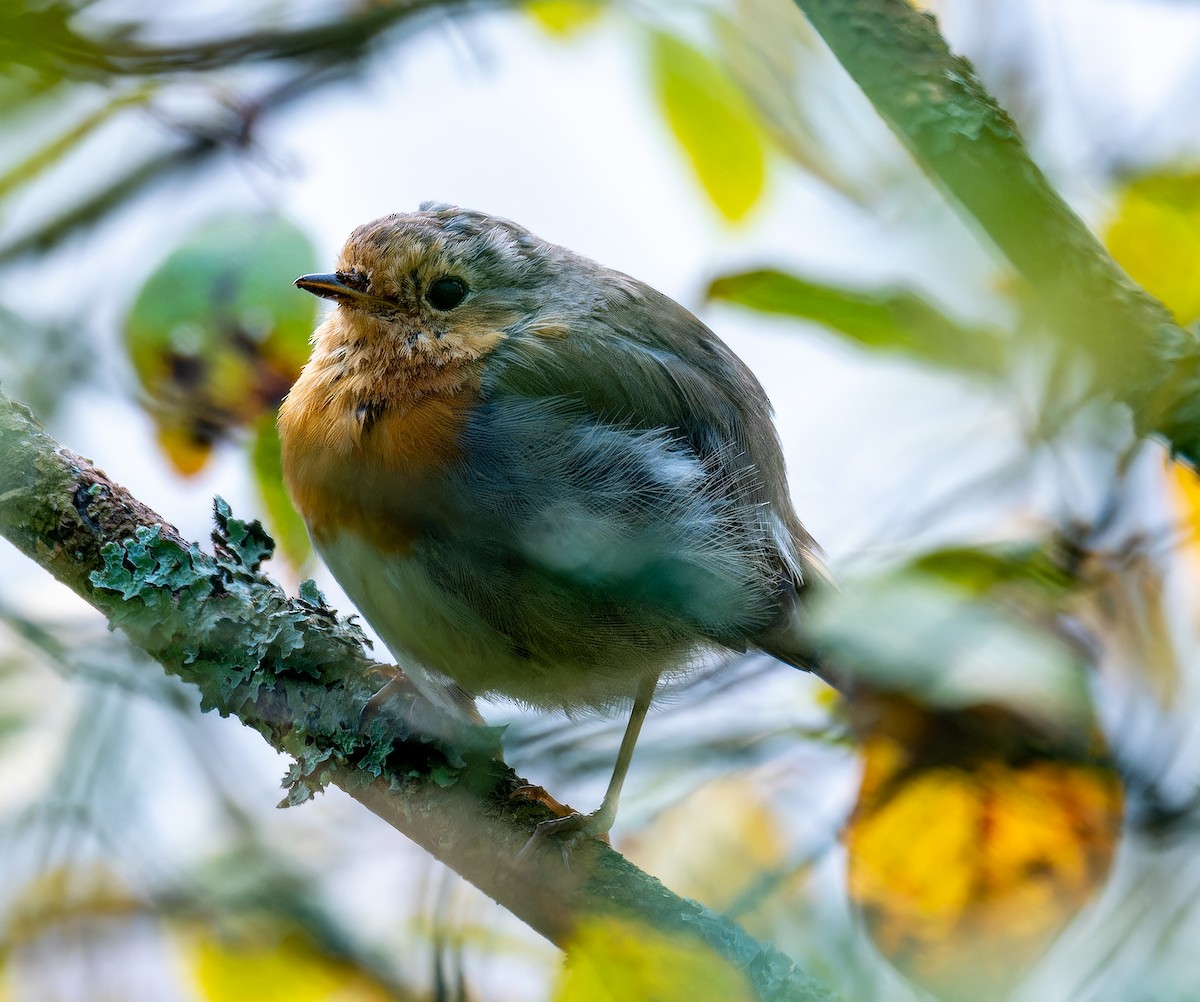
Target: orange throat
<point x="370" y="421"/>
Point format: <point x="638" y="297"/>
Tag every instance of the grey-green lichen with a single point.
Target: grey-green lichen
<point x="291" y="668"/>
<point x="439" y="783"/>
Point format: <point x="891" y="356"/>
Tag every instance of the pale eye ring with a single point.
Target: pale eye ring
<point x="446" y="292"/>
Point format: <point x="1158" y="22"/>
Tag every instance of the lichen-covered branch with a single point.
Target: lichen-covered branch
<point x="939" y="108"/>
<point x="296" y="673"/>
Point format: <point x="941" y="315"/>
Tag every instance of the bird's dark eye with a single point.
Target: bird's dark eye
<point x="446" y="293"/>
<point x="357" y="280"/>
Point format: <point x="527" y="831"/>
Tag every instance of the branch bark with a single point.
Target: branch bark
<point x="933" y="100"/>
<point x="290" y="669"/>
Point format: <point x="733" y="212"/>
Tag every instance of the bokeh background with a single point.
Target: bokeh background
<point x="165" y="170"/>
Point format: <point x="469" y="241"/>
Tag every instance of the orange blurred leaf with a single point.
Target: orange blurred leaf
<point x="973" y="843"/>
<point x="185" y="448"/>
<point x="1183" y="483"/>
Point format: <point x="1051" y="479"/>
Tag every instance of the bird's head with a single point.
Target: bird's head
<point x="446" y="282"/>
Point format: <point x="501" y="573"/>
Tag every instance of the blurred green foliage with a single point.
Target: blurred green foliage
<point x="217" y="334"/>
<point x="216" y="337"/>
<point x="963" y="626"/>
<point x="888" y="320"/>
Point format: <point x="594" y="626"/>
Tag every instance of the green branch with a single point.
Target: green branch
<point x="293" y="671"/>
<point x="938" y="107"/>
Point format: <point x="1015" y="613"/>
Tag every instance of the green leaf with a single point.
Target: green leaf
<point x="218" y="334"/>
<point x="286" y="524"/>
<point x="945" y="645"/>
<point x="890" y="320"/>
<point x="981" y="571"/>
<point x="39" y="47"/>
<point x="613" y="959"/>
<point x="713" y="122"/>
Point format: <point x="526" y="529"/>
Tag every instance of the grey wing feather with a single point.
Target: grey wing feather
<point x="675" y="375"/>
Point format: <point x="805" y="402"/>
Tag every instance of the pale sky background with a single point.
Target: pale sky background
<point x="565" y="139"/>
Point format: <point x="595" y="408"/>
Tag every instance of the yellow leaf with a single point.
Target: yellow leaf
<point x="286" y="968"/>
<point x="1155" y="236"/>
<point x="1183" y="483"/>
<point x="713" y="122"/>
<point x="610" y="960"/>
<point x="972" y="844"/>
<point x="563" y="18"/>
<point x="186" y="450"/>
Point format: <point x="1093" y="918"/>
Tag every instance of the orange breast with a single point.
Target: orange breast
<point x="358" y="464"/>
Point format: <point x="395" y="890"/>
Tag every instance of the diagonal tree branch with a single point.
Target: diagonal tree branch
<point x="965" y="141"/>
<point x="290" y="669"/>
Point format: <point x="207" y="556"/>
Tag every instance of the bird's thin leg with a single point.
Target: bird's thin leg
<point x="607" y="812"/>
<point x="601" y="820"/>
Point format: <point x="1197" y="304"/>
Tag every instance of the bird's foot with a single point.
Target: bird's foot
<point x="396" y="686"/>
<point x="574" y="825"/>
<point x="441" y="712"/>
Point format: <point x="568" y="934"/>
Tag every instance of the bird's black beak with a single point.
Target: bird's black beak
<point x="328" y="287"/>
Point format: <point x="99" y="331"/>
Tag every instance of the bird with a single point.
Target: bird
<point x="538" y="478"/>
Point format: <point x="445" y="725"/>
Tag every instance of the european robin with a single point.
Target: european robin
<point x="536" y="477"/>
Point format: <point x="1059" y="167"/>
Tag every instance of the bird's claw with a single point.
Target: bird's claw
<point x="575" y="825"/>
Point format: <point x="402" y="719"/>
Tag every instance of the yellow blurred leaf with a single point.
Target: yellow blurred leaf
<point x="973" y="844"/>
<point x="713" y="122"/>
<point x="714" y="846"/>
<point x="1183" y="483"/>
<point x="563" y="18"/>
<point x="1155" y="236"/>
<point x="185" y="449"/>
<point x="283" y="969"/>
<point x="609" y="960"/>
